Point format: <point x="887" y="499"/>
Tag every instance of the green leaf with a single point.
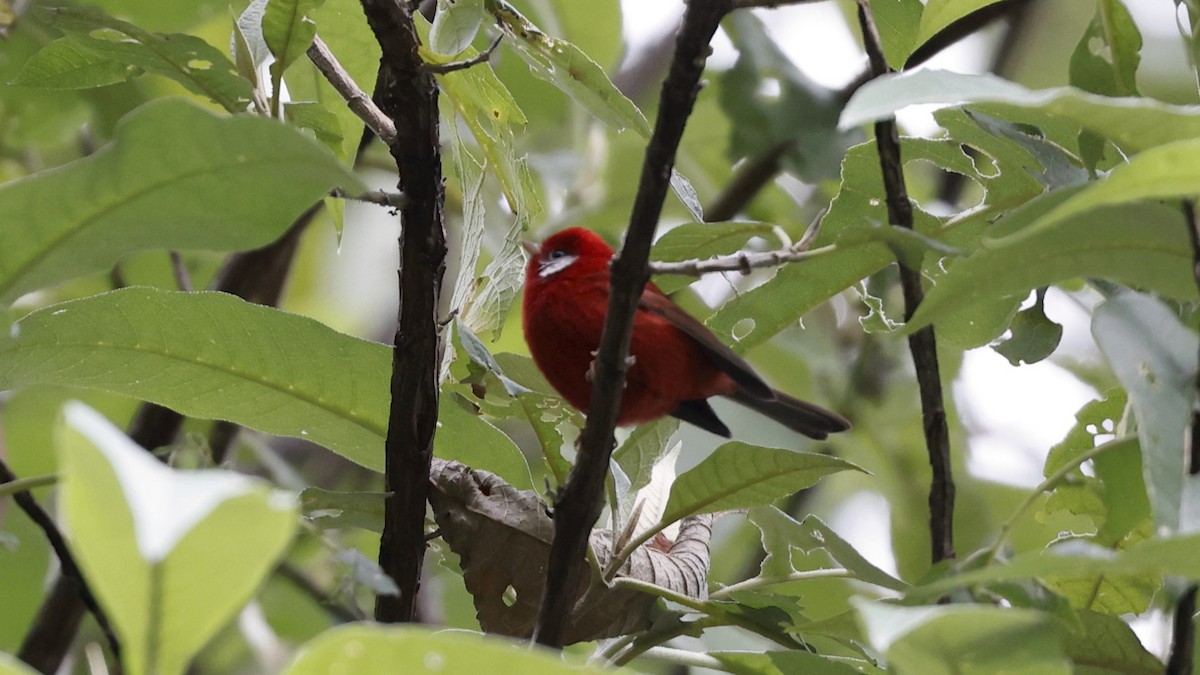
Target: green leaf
<point x="697" y="241"/>
<point x="739" y="475"/>
<point x="1109" y="644"/>
<point x="938" y="14"/>
<point x="771" y="102"/>
<point x="317" y="384"/>
<point x="565" y="66"/>
<point x="331" y="509"/>
<point x="1165" y="171"/>
<point x="642" y="450"/>
<point x="781" y="534"/>
<point x="288" y="32"/>
<point x="489" y="111"/>
<point x="318" y="119"/>
<point x="171" y="555"/>
<point x="187" y="59"/>
<point x="65" y="64"/>
<point x="455" y="25"/>
<point x="963" y="639"/>
<point x="1034" y="335"/>
<point x="1149" y="560"/>
<point x="229" y="183"/>
<point x="1101" y="244"/>
<point x="418" y="650"/>
<point x="1154" y="357"/>
<point x="466" y="437"/>
<point x="503" y="279"/>
<point x="780" y="662"/>
<point x="897" y="21"/>
<point x="1134" y="124"/>
<point x="1106" y="59"/>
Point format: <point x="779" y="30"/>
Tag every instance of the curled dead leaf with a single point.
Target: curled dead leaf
<point x="502" y="536"/>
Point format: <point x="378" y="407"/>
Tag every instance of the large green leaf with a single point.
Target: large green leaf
<point x="417" y="650"/>
<point x="187" y="59"/>
<point x="739" y="475"/>
<point x="171" y="555"/>
<point x="1103" y="243"/>
<point x="1154" y="356"/>
<point x="228" y="183"/>
<point x="947" y="639"/>
<point x="1134" y="124"/>
<point x="66" y="64"/>
<point x="213" y="356"/>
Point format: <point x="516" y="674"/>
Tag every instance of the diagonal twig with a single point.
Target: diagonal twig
<point x="357" y="99"/>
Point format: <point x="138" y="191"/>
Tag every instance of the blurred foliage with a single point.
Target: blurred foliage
<point x="129" y="129"/>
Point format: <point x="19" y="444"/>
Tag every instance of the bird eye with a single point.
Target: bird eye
<point x="556" y="254"/>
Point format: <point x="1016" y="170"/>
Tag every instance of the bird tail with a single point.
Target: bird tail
<point x="800" y="416"/>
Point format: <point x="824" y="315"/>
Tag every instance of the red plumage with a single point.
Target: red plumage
<point x="678" y="362"/>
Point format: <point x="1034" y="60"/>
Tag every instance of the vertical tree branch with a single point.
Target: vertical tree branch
<point x="1184" y="627"/>
<point x="578" y="504"/>
<point x="923" y="343"/>
<point x="407" y="93"/>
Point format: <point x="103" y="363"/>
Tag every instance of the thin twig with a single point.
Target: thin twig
<point x="578" y="504"/>
<point x="481" y="57"/>
<point x="356" y="99"/>
<point x="392" y="200"/>
<point x="183" y="280"/>
<point x="70" y="570"/>
<point x="747" y="261"/>
<point x="408" y="95"/>
<point x="961" y="28"/>
<point x="923" y="343"/>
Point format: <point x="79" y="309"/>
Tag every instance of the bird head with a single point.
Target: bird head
<point x="574" y="247"/>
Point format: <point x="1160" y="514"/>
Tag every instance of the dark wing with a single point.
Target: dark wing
<point x="725" y="359"/>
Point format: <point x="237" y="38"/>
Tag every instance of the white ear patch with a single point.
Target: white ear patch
<point x="548" y="268"/>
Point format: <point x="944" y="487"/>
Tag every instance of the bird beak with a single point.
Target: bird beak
<point x="531" y="248"/>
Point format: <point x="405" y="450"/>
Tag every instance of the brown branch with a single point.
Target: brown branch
<point x="70" y="570"/>
<point x="1184" y="637"/>
<point x="578" y="504"/>
<point x="407" y="94"/>
<point x="481" y="57"/>
<point x="357" y="99"/>
<point x="923" y="343"/>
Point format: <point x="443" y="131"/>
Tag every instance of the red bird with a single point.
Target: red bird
<point x="678" y="362"/>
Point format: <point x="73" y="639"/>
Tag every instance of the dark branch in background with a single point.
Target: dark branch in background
<point x="923" y="343"/>
<point x="751" y="177"/>
<point x="578" y="504"/>
<point x="338" y="611"/>
<point x="256" y="276"/>
<point x="70" y="571"/>
<point x="357" y="99"/>
<point x="963" y="27"/>
<point x="407" y="94"/>
<point x="1184" y="627"/>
